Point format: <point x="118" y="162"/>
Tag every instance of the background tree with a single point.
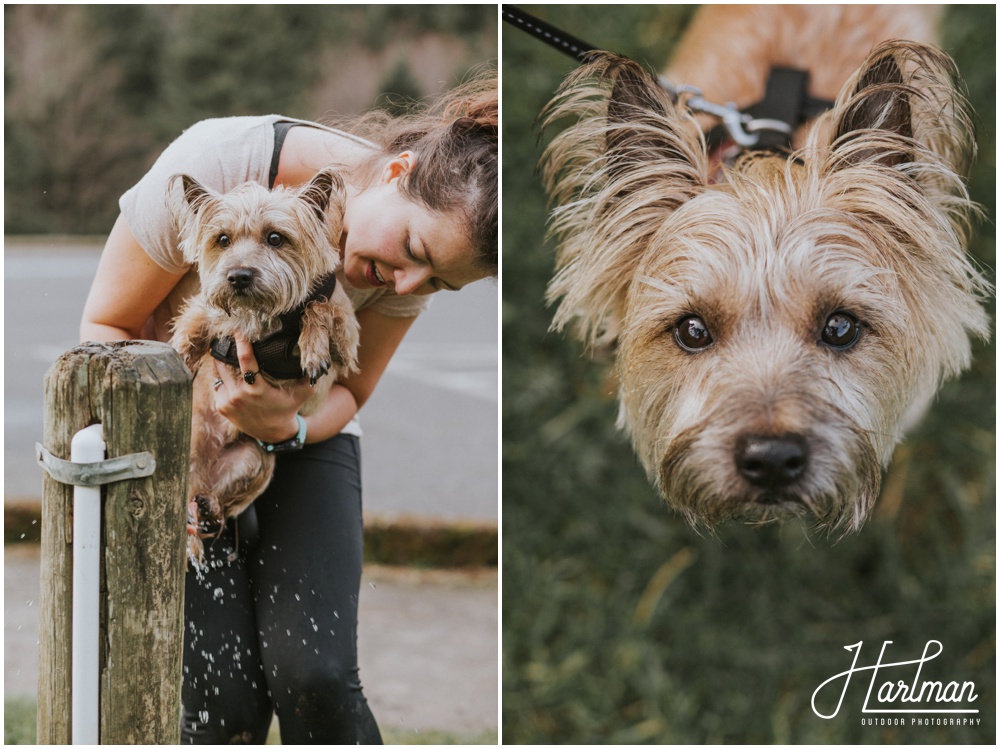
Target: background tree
<point x="94" y="92"/>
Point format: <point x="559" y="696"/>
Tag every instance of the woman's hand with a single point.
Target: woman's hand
<point x="260" y="410"/>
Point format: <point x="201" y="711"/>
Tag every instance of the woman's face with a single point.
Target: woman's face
<point x="391" y="241"/>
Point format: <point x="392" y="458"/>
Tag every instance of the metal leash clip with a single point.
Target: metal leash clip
<point x="742" y="128"/>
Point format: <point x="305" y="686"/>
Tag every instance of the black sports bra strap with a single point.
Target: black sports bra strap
<point x="281" y="129"/>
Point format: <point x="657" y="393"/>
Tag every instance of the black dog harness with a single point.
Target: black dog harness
<point x="277" y="354"/>
<point x="786" y="100"/>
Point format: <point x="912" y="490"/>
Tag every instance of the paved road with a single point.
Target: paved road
<point x="431" y="429"/>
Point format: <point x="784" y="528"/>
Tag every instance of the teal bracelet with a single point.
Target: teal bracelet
<point x="295" y="443"/>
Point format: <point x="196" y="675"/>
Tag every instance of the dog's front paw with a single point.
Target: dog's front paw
<point x="314" y="352"/>
<point x="329" y="339"/>
<point x="315" y="370"/>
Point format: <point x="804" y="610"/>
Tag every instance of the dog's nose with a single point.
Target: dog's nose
<point x="240" y="278"/>
<point x="772" y="462"/>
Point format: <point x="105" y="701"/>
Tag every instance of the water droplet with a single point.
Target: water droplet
<point x="203" y="716"/>
<point x="218" y="593"/>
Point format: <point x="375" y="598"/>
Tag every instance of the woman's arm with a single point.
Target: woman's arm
<point x="268" y="413"/>
<point x="127" y="288"/>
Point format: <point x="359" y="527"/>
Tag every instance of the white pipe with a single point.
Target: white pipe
<point x="87" y="447"/>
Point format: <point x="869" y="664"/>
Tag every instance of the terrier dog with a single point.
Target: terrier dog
<point x="266" y="261"/>
<point x="780" y="321"/>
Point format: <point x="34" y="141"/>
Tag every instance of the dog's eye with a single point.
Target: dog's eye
<point x="274" y="239"/>
<point x="841" y="330"/>
<point x="223" y="241"/>
<point x="692" y="334"/>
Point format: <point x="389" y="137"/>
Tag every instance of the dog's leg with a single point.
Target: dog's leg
<point x="242" y="471"/>
<point x="190" y="333"/>
<point x="208" y="435"/>
<point x="329" y="338"/>
<point x="222" y="489"/>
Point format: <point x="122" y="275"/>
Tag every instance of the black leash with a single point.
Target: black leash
<point x="557" y="38"/>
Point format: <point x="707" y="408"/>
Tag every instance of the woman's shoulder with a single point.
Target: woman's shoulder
<point x="236" y="124"/>
<point x="221" y="153"/>
<point x="222" y="134"/>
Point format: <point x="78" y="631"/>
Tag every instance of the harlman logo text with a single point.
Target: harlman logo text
<point x="928" y="702"/>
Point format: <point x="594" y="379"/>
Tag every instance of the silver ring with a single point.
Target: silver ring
<point x="217" y="384"/>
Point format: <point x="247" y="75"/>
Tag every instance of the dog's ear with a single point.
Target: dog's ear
<point x="325" y="195"/>
<point x="630" y="158"/>
<point x="641" y="127"/>
<point x="186" y="199"/>
<point x="326" y="186"/>
<point x="879" y="105"/>
<point x="902" y="107"/>
<point x="195" y="195"/>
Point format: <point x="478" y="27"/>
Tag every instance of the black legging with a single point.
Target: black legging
<point x="276" y="628"/>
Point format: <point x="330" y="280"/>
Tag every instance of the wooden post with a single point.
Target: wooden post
<point x="140" y="392"/>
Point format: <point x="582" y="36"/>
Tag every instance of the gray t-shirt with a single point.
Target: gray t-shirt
<point x="221" y="154"/>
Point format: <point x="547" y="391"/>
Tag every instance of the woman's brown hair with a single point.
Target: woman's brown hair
<point x="455" y="141"/>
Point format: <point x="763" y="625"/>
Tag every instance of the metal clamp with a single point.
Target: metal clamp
<point x="135" y="466"/>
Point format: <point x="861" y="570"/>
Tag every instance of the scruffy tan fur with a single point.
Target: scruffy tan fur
<point x="868" y="221"/>
<point x="229" y="470"/>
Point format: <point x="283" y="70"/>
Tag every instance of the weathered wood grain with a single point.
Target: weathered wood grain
<point x="141" y="392"/>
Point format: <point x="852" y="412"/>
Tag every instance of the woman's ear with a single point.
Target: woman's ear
<point x="398" y="167"/>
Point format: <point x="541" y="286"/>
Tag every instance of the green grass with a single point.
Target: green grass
<point x="20" y="716"/>
<point x="621" y="625"/>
